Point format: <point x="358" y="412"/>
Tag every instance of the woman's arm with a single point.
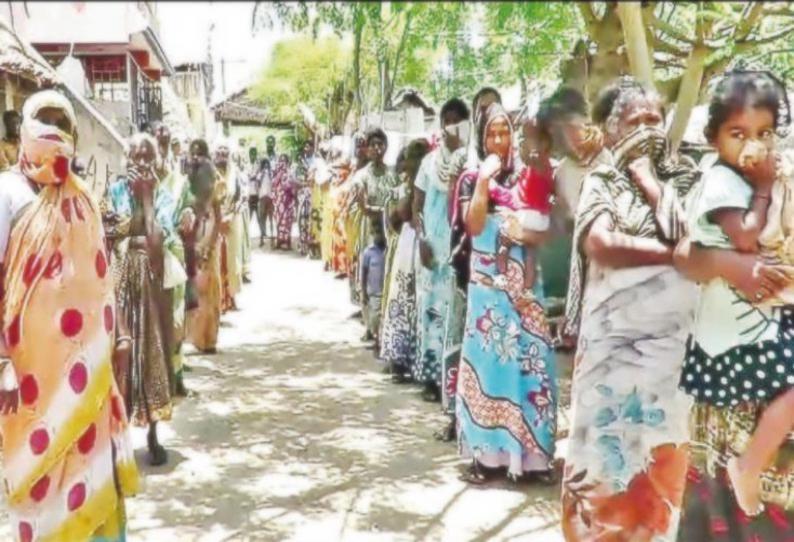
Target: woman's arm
<point x="618" y="250"/>
<point x="476" y="211"/>
<point x="417" y="209"/>
<point x="745" y="272"/>
<point x="518" y="234"/>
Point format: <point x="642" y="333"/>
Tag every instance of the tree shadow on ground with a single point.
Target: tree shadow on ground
<point x="289" y="437"/>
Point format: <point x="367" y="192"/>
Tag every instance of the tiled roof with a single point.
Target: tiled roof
<point x="19" y="58"/>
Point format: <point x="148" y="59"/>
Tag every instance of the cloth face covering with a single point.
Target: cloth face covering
<point x="46" y="150"/>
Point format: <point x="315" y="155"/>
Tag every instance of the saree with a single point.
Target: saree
<point x="326" y="203"/>
<point x="203" y="321"/>
<point x="146" y="383"/>
<point x="507" y="378"/>
<point x="176" y="278"/>
<point x="284" y="203"/>
<point x="355" y="236"/>
<point x="627" y="454"/>
<point x="435" y="287"/>
<point x="338" y="195"/>
<point x="317" y="235"/>
<point x="398" y="332"/>
<point x="305" y="233"/>
<point x="232" y="241"/>
<point x="68" y="460"/>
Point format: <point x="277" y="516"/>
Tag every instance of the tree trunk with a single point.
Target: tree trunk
<point x="608" y="61"/>
<point x="636" y="43"/>
<point x="688" y="94"/>
<point x="358" y="32"/>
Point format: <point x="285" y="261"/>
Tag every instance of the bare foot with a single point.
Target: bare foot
<point x="745" y="488"/>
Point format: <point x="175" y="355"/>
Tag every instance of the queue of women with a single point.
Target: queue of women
<point x="99" y="297"/>
<point x="679" y="303"/>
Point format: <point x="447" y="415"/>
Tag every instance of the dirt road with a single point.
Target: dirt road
<point x="294" y="434"/>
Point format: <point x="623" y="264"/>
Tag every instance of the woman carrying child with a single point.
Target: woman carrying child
<point x="739" y="364"/>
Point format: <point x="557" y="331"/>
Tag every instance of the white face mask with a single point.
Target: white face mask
<point x="461" y="130"/>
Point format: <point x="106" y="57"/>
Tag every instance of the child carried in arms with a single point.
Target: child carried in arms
<point x="531" y="196"/>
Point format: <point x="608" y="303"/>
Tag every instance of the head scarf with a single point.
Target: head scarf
<point x="495" y="111"/>
<point x="46" y="151"/>
<point x="59" y="323"/>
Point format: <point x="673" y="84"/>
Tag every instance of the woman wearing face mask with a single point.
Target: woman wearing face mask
<point x="68" y="463"/>
<point x="627" y="454"/>
<point x="148" y="210"/>
<point x="506" y="384"/>
<point x="435" y="278"/>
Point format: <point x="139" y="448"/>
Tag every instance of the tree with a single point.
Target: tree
<point x="388" y="39"/>
<point x="312" y="72"/>
<point x="684" y="44"/>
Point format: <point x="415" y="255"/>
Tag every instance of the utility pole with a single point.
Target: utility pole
<point x="223" y="76"/>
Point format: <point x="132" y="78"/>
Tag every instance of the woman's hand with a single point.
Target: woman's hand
<point x="426" y="254"/>
<point x="515" y="231"/>
<point x="490" y="167"/>
<point x="755" y="279"/>
<point x="759" y="281"/>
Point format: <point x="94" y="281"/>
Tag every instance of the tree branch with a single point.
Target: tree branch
<point x="748" y="44"/>
<point x="401" y="48"/>
<point x="660" y="45"/>
<point x="749" y="19"/>
<point x="590" y="20"/>
<point x="671" y="31"/>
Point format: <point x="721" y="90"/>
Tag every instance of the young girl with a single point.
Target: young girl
<point x="741" y="352"/>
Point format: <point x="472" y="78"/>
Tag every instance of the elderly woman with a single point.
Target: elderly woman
<point x="68" y="462"/>
<point x="626" y="463"/>
<point x="507" y="394"/>
<point x="147" y="209"/>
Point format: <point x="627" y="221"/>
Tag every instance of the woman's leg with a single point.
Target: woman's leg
<point x="772" y="430"/>
<point x="158" y="454"/>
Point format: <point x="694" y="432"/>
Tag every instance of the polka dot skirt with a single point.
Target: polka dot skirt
<point x="755" y="372"/>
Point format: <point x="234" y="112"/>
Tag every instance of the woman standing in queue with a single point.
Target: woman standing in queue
<point x="506" y="388"/>
<point x="66" y="452"/>
<point x="627" y="454"/>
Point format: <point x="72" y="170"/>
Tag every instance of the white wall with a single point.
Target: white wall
<point x="101" y="153"/>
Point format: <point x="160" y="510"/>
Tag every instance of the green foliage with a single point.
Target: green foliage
<point x="302" y="70"/>
<point x="433" y="46"/>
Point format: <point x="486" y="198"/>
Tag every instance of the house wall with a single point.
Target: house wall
<point x="101" y="154"/>
<point x="118" y="113"/>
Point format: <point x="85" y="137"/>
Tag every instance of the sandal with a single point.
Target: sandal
<point x="473" y="475"/>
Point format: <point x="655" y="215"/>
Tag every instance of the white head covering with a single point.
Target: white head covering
<point x="46" y="151"/>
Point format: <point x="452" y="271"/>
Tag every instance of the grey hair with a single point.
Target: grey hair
<point x="624" y="99"/>
<point x="142" y="137"/>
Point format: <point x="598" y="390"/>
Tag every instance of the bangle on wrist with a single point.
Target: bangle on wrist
<point x="766" y="197"/>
